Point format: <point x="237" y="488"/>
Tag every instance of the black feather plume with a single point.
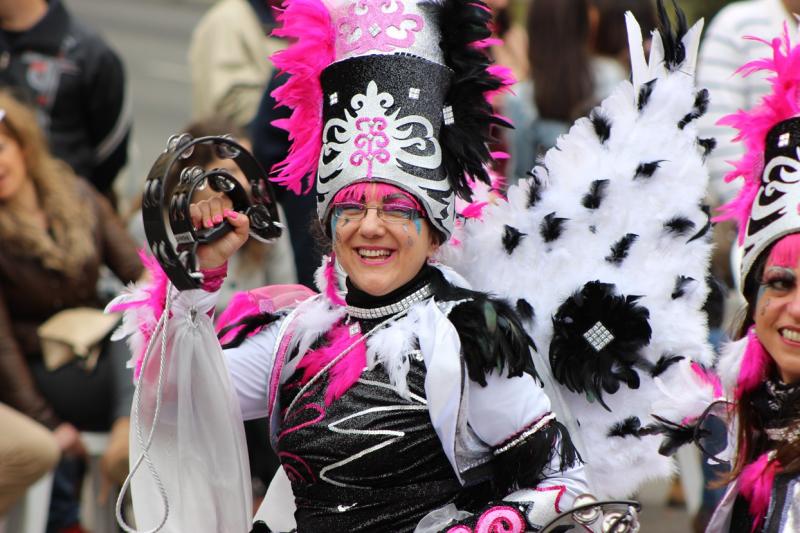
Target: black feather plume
<point x="675" y="435"/>
<point x="699" y="109"/>
<point x="679" y="225"/>
<point x="646" y="170"/>
<point x="511" y="238"/>
<point x="663" y="363"/>
<point x="597" y="191"/>
<point x="551" y="227"/>
<point x="246" y="326"/>
<point x="707" y="145"/>
<point x="629" y="427"/>
<point x="681" y="283"/>
<point x="465" y="143"/>
<point x="620" y="249"/>
<point x="523" y="464"/>
<point x="492" y="336"/>
<point x="582" y="364"/>
<point x="601" y="124"/>
<point x="674" y="50"/>
<point x="705" y="229"/>
<point x="644" y="94"/>
<point x="525" y="310"/>
<point x="534" y="191"/>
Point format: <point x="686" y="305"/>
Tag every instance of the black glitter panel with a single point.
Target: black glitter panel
<point x="396" y="75"/>
<point x="389" y="489"/>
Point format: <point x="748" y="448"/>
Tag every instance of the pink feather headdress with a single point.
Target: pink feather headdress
<point x="308" y="24"/>
<point x="753" y="125"/>
<point x="399" y="90"/>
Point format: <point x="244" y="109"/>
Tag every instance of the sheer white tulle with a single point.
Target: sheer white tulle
<point x="198" y="448"/>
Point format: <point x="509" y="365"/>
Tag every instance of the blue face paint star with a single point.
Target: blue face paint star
<point x="334" y="223"/>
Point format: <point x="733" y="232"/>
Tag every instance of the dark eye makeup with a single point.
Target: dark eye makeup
<point x="779" y="278"/>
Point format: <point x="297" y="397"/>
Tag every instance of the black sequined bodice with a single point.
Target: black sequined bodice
<point x="369" y="461"/>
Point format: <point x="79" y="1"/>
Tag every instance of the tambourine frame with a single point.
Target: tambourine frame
<point x="167" y="197"/>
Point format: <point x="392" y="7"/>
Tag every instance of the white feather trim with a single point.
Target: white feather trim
<point x="680" y="401"/>
<point x="391" y="347"/>
<point x="315" y="317"/>
<point x="545" y="274"/>
<point x="730" y="361"/>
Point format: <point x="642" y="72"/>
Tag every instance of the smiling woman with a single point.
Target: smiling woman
<point x="407" y="401"/>
<point x="763" y="367"/>
<point x="380" y="237"/>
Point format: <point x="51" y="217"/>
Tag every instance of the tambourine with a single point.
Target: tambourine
<point x="168" y="194"/>
<point x="588" y="514"/>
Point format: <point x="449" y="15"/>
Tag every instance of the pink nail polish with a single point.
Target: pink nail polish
<point x="217" y="219"/>
<point x="231" y="214"/>
<point x="208" y="223"/>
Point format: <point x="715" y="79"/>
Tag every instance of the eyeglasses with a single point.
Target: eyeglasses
<point x="389" y="213"/>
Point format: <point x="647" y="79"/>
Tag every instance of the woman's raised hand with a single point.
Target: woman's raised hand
<point x="210" y="213"/>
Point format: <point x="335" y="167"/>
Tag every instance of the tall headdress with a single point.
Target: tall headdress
<point x="768" y="205"/>
<point x="393" y="91"/>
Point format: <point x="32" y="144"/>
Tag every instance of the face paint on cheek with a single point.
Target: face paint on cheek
<point x="761" y="290"/>
<point x="418" y="224"/>
<point x="410" y="242"/>
<point x="334" y="223"/>
<point x="765" y="307"/>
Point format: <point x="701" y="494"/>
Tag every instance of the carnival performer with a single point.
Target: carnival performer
<point x="761" y="371"/>
<point x="408" y="402"/>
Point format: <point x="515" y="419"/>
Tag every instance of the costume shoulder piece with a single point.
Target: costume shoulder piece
<point x="492" y="337"/>
<point x="605" y="252"/>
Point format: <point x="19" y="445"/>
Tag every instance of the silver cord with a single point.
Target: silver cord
<point x="160" y="330"/>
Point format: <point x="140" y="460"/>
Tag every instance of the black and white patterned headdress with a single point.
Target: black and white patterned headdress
<point x="393" y="91"/>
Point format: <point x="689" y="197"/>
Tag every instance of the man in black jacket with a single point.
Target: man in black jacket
<point x="75" y="81"/>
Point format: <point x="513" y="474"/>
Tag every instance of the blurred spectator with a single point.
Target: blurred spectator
<point x="724" y="50"/>
<point x="229" y="59"/>
<point x="74" y="80"/>
<point x="513" y="51"/>
<point x="27" y="452"/>
<point x="565" y="80"/>
<point x="270" y="145"/>
<point x="611" y="36"/>
<point x="55" y="233"/>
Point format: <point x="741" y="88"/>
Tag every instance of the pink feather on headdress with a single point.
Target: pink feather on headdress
<point x="308" y="24"/>
<point x="781" y="104"/>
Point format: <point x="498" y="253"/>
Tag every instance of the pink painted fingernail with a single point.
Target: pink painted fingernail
<point x="217" y="219"/>
<point x="207" y="223"/>
<point x="231" y="214"/>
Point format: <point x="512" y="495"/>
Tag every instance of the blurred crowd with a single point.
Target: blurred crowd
<point x="66" y="245"/>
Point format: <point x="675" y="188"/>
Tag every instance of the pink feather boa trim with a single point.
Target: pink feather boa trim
<point x="308" y="24"/>
<point x="346" y="371"/>
<point x="755" y="365"/>
<point x="256" y="301"/>
<point x="781" y="104"/>
<point x="755" y="484"/>
<point x="152" y="305"/>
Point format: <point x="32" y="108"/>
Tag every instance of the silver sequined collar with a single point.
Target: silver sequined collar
<point x="391" y="309"/>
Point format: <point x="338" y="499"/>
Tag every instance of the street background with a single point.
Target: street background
<point x="152" y="36"/>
